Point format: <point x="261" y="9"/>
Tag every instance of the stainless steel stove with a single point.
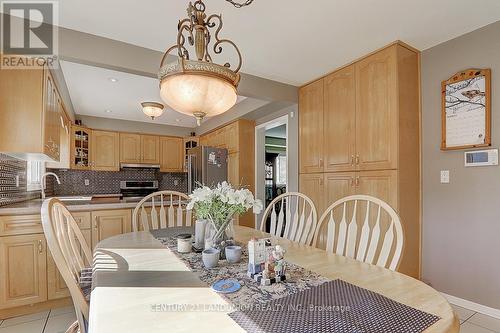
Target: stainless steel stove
<point x="138" y="188"/>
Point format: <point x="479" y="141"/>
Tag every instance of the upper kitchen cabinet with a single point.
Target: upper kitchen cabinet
<point x="130" y="148"/>
<point x="189" y="143"/>
<point x="362" y="116"/>
<point x="377" y="111"/>
<point x="150" y="148"/>
<point x="81" y="139"/>
<point x="65" y="142"/>
<point x="340" y="120"/>
<point x="105" y="153"/>
<point x="30" y="120"/>
<point x="136" y="148"/>
<point x="311" y="127"/>
<point x="171" y="154"/>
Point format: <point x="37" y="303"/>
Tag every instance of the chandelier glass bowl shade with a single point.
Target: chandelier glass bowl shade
<point x="200" y="88"/>
<point x="152" y="109"/>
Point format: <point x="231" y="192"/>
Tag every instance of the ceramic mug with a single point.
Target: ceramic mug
<point x="210" y="257"/>
<point x="233" y="253"/>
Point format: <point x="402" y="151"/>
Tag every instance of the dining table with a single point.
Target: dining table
<point x="140" y="285"/>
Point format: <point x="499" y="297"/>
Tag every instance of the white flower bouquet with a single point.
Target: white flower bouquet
<point x="220" y="204"/>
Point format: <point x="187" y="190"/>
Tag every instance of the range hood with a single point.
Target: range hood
<point x="139" y="166"/>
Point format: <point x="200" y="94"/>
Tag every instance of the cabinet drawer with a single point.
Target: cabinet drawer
<point x="20" y="224"/>
<point x="82" y="219"/>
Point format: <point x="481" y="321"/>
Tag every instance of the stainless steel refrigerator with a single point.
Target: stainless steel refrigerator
<point x="206" y="166"/>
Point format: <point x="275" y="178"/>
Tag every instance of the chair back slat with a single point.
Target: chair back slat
<point x="281" y="217"/>
<point x="365" y="233"/>
<point x="370" y="256"/>
<point x="163" y="214"/>
<point x="331" y="231"/>
<point x="352" y="233"/>
<point x="188" y="218"/>
<point x="342" y="231"/>
<point x="300" y="226"/>
<point x="170" y="213"/>
<point x="386" y="246"/>
<point x="274" y="218"/>
<point x="295" y="220"/>
<point x="144" y="219"/>
<point x="154" y="215"/>
<point x="70" y="252"/>
<point x="292" y="216"/>
<point x="288" y="217"/>
<point x="180" y="214"/>
<point x="378" y="239"/>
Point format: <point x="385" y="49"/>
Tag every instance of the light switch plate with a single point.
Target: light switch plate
<point x="87" y="182"/>
<point x="445" y="176"/>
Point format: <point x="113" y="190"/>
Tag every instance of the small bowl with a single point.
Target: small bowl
<point x="233" y="254"/>
<point x="210" y="257"/>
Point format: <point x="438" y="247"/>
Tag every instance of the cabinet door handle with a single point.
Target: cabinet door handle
<point x="357" y="181"/>
<point x="321" y="162"/>
<point x="352" y="181"/>
<point x="40" y="246"/>
<point x="357" y="159"/>
<point x="95" y="222"/>
<point x="352" y="159"/>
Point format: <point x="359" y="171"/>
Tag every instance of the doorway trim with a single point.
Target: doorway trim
<point x="282" y="120"/>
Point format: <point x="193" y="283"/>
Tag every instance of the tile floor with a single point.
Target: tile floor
<point x="58" y="320"/>
<point x="472" y="322"/>
<point x="53" y="321"/>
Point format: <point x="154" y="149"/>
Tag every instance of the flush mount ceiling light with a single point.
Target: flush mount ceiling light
<point x="152" y="109"/>
<point x="200" y="88"/>
<point x="112" y="79"/>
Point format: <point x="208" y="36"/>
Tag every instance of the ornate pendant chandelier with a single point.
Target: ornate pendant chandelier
<point x="152" y="109"/>
<point x="200" y="87"/>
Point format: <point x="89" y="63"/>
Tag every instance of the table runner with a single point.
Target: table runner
<point x="305" y="302"/>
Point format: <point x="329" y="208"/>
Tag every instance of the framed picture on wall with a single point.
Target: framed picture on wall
<point x="466" y="110"/>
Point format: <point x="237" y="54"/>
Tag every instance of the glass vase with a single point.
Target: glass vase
<point x="219" y="242"/>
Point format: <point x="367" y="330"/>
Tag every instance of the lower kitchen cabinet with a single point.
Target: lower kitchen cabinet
<point x="108" y="223"/>
<point x="28" y="273"/>
<point x="56" y="287"/>
<point x="325" y="189"/>
<point x="313" y="185"/>
<point x="23" y="270"/>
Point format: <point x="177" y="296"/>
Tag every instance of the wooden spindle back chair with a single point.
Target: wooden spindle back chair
<point x="163" y="209"/>
<point x="293" y="216"/>
<point x="70" y="252"/>
<point x="363" y="228"/>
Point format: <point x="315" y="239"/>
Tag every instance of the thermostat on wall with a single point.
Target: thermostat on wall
<point x="481" y="158"/>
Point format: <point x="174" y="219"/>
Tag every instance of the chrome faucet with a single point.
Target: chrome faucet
<point x="42" y="181"/>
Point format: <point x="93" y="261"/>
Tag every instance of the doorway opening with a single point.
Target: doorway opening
<point x="272" y="161"/>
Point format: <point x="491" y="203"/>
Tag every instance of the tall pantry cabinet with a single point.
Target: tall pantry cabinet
<point x="360" y="134"/>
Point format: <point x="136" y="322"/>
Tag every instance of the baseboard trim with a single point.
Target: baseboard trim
<point x="492" y="312"/>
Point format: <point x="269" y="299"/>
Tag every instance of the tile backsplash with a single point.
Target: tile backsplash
<point x="104" y="182"/>
<point x="11" y="167"/>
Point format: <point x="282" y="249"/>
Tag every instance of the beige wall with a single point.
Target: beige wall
<point x="134" y="126"/>
<point x="461" y="220"/>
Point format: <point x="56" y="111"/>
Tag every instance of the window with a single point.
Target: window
<point x="34" y="175"/>
<point x="281" y="170"/>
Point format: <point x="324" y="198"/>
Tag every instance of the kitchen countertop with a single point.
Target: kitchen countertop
<point x="34" y="206"/>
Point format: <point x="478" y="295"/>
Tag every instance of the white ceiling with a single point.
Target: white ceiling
<point x="292" y="41"/>
<point x="92" y="93"/>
